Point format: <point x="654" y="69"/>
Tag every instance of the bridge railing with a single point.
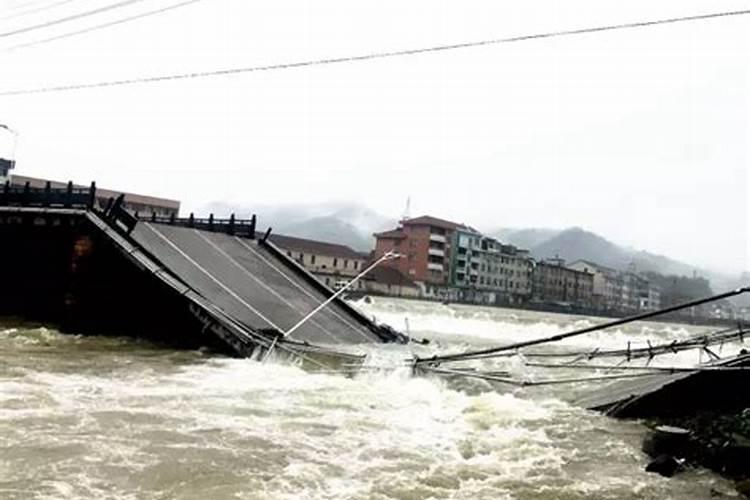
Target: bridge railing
<point x="232" y="225"/>
<point x="53" y="197"/>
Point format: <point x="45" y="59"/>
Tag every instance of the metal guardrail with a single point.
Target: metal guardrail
<point x="73" y="196"/>
<point x="68" y="197"/>
<point x="232" y="225"/>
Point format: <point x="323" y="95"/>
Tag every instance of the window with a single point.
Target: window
<point x="335" y="262"/>
<point x="346" y="264"/>
<point x="356" y="265"/>
<point x="312" y="259"/>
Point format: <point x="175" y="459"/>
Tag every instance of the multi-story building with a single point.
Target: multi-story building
<point x="552" y="281"/>
<point x="135" y="203"/>
<point x="650" y="299"/>
<point x="5" y="167"/>
<point x="607" y="291"/>
<point x="331" y="263"/>
<point x="485" y="270"/>
<point x="636" y="293"/>
<point x="639" y="294"/>
<point x="425" y="245"/>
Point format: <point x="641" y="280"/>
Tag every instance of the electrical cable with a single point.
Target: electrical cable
<point x="102" y="26"/>
<point x="72" y="17"/>
<point x="365" y="57"/>
<point x="37" y="9"/>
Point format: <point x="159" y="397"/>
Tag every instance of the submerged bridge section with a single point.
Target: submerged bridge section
<point x="253" y="283"/>
<point x="187" y="281"/>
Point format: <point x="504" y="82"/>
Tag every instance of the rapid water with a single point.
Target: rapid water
<point x="97" y="417"/>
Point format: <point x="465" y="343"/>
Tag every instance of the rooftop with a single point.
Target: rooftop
<point x="303" y="245"/>
<point x="594" y="265"/>
<point x="393" y="234"/>
<point x="428" y="220"/>
<point x="35" y="182"/>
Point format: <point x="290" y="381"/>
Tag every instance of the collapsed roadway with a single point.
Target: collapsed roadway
<point x="185" y="282"/>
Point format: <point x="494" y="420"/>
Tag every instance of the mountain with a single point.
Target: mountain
<point x="349" y="224"/>
<point x="576" y="243"/>
<point x="525" y="238"/>
<point x="328" y="228"/>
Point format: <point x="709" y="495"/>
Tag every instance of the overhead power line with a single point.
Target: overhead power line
<point x="66" y="19"/>
<point x="38" y="9"/>
<point x="105" y="25"/>
<point x="25" y="5"/>
<point x="366" y="57"/>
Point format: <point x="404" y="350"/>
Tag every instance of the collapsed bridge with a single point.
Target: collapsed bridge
<point x="187" y="282"/>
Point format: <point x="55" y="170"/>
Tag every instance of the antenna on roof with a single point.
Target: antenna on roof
<point x="407" y="210"/>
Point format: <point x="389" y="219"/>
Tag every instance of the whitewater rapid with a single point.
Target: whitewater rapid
<point x="98" y="417"/>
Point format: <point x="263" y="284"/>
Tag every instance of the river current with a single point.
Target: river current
<point x="103" y="417"/>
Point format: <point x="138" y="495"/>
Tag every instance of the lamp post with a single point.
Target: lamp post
<point x="387" y="256"/>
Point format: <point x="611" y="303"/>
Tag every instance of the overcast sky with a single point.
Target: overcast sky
<point x="640" y="135"/>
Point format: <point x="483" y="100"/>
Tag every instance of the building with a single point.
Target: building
<point x="386" y="280"/>
<point x="607" y="291"/>
<point x="639" y="294"/>
<point x="425" y="244"/>
<point x="331" y="263"/>
<point x="5" y="167"/>
<point x="136" y="203"/>
<point x="553" y="282"/>
<point x="488" y="271"/>
<point x="650" y="298"/>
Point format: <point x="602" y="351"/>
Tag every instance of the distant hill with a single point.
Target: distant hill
<point x="526" y="238"/>
<point x="327" y="228"/>
<point x="576" y="243"/>
<point x="345" y="223"/>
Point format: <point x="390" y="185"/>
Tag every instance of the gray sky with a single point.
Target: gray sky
<point x="639" y="135"/>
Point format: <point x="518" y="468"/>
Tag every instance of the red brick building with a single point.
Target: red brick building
<point x="425" y="244"/>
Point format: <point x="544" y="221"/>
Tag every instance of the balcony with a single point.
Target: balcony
<point x="434" y="267"/>
<point x="438" y="237"/>
<point x="436" y="252"/>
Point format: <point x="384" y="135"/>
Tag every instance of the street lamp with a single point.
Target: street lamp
<point x="387" y="256"/>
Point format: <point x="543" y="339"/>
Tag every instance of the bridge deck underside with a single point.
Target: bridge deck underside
<point x="250" y="284"/>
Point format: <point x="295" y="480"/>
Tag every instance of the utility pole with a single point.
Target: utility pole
<point x="7" y="164"/>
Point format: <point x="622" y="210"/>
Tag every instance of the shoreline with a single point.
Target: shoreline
<point x="552" y="308"/>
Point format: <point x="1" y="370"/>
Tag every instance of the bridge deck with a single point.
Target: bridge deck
<point x="674" y="393"/>
<point x="249" y="284"/>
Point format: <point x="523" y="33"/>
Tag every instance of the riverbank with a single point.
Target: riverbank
<point x="718" y="441"/>
<point x="555" y="308"/>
